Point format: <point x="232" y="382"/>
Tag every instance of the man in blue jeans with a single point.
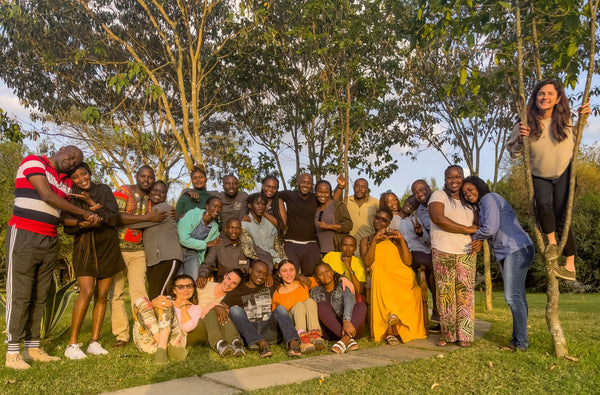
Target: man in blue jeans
<point x="250" y="311"/>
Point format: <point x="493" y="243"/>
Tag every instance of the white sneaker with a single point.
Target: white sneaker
<point x="96" y="349"/>
<point x="74" y="352"/>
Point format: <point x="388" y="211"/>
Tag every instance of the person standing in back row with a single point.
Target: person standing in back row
<point x="361" y="206"/>
<point x="301" y="245"/>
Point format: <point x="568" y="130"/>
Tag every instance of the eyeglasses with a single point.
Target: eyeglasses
<point x="181" y="287"/>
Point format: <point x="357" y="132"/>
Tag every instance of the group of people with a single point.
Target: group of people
<point x="232" y="270"/>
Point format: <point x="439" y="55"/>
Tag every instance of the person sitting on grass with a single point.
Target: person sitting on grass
<point x="198" y="316"/>
<point x="396" y="308"/>
<point x="156" y="329"/>
<point x="250" y="310"/>
<point x="293" y="295"/>
<point x="342" y="317"/>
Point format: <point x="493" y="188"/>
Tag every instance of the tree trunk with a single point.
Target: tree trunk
<point x="552" y="291"/>
<point x="488" y="276"/>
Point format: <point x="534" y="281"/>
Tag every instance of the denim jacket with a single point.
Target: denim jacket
<point x="342" y="300"/>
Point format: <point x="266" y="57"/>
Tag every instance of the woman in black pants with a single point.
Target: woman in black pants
<point x="552" y="141"/>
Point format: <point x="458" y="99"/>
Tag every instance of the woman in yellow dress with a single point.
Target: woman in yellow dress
<point x="396" y="309"/>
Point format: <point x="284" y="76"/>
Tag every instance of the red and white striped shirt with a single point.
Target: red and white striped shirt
<point x="31" y="212"/>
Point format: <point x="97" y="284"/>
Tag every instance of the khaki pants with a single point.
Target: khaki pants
<point x="135" y="271"/>
<point x="305" y="315"/>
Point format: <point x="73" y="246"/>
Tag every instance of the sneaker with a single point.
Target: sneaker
<point x="74" y="352"/>
<point x="565" y="274"/>
<point x="551" y="252"/>
<point x="96" y="348"/>
<point x="317" y="339"/>
<point x="306" y="346"/>
<point x="15" y="361"/>
<point x="37" y="354"/>
<point x="238" y="348"/>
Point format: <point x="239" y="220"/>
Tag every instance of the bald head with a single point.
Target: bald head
<point x="421" y="191"/>
<point x="67" y="159"/>
<point x="305" y="183"/>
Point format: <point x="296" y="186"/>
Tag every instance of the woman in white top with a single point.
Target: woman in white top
<point x="452" y="224"/>
<point x="552" y="141"/>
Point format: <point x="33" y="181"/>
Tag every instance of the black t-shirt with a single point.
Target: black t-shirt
<point x="301" y="215"/>
<point x="256" y="302"/>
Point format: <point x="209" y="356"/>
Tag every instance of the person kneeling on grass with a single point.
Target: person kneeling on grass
<point x="212" y="324"/>
<point x="342" y="317"/>
<point x="293" y="295"/>
<point x="250" y="310"/>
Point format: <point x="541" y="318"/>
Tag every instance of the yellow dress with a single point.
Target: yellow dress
<point x="394" y="290"/>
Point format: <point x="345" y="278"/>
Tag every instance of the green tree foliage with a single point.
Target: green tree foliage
<point x="11" y="155"/>
<point x="585" y="220"/>
<point x="136" y="82"/>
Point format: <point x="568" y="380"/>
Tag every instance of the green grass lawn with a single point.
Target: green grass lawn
<point x="487" y="369"/>
<point x="484" y="368"/>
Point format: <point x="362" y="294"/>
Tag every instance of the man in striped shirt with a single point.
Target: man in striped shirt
<point x="31" y="247"/>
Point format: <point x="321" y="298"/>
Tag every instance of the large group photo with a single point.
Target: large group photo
<point x="291" y="197"/>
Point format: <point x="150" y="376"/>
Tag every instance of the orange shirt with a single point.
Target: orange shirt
<point x="288" y="300"/>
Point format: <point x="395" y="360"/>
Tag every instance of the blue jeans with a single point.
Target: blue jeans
<point x="253" y="332"/>
<point x="190" y="264"/>
<point x="514" y="271"/>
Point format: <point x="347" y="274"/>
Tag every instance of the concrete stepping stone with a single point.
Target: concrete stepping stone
<point x="188" y="385"/>
<point x="397" y="353"/>
<point x="336" y="363"/>
<point x="257" y="377"/>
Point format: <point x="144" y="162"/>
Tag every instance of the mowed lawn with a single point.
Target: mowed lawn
<point x="484" y="368"/>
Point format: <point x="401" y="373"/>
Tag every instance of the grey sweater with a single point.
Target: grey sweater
<point x="161" y="241"/>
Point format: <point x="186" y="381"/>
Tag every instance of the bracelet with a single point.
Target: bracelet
<point x="96" y="207"/>
<point x="338" y="187"/>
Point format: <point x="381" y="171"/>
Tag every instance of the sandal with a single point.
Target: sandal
<point x="393" y="320"/>
<point x="441" y="343"/>
<point x="352" y="345"/>
<point x="265" y="352"/>
<point x="339" y="347"/>
<point x="294" y="349"/>
<point x="392" y="340"/>
<point x="463" y="344"/>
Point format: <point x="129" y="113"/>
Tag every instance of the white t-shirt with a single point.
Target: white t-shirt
<point x="452" y="243"/>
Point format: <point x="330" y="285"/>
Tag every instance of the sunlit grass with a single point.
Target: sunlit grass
<point x="484" y="368"/>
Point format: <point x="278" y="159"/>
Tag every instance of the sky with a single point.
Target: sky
<point x="429" y="163"/>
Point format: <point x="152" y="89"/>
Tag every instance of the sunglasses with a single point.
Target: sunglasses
<point x="382" y="219"/>
<point x="181" y="287"/>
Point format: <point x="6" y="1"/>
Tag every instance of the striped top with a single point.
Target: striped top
<point x="31" y="212"/>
